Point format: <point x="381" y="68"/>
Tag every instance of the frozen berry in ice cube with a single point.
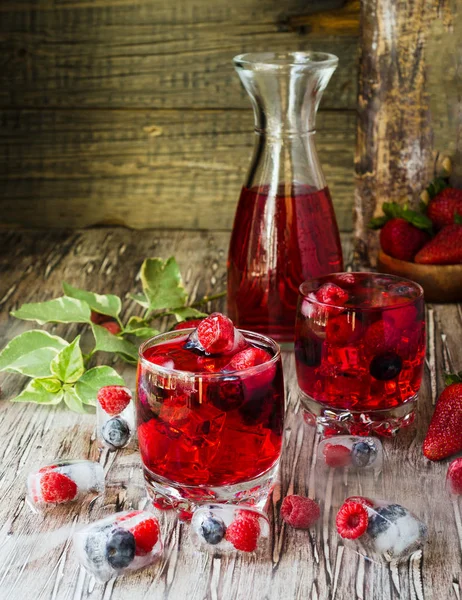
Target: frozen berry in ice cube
<point x="120" y="548"/>
<point x="332" y="294"/>
<point x="114" y="399"/>
<point x="188" y="324"/>
<point x="57" y="488"/>
<point x="352" y="520"/>
<point x="363" y="453"/>
<point x="116" y="432"/>
<point x="212" y="529"/>
<point x="454" y="476"/>
<point x="216" y="334"/>
<point x="250" y="357"/>
<point x="381" y="336"/>
<point x="226" y="394"/>
<point x="336" y="455"/>
<point x="386" y="367"/>
<point x="243" y="533"/>
<point x="343" y="329"/>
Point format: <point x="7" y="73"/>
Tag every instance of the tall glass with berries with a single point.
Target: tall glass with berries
<point x="210" y="414"/>
<point x="359" y="350"/>
<point x="284" y="229"/>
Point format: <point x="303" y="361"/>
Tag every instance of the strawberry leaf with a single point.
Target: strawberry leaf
<point x="450" y="378"/>
<point x="458" y="219"/>
<point x="436" y="186"/>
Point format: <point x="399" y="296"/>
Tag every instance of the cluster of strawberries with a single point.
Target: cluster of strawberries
<point x="432" y="236"/>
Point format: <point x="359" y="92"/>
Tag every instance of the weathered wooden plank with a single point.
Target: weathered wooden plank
<point x="153" y="54"/>
<point x="302" y="564"/>
<point x="72" y="168"/>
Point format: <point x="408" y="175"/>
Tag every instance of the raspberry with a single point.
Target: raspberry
<point x="381" y="337"/>
<point x="57" y="488"/>
<point x="185" y="516"/>
<point x="216" y="334"/>
<point x="337" y="455"/>
<point x="111" y="326"/>
<point x="329" y="293"/>
<point x="454" y="476"/>
<point x="299" y="512"/>
<point x="146" y="535"/>
<point x="191" y="324"/>
<point x="243" y="533"/>
<point x="352" y="520"/>
<point x="250" y="357"/>
<point x="113" y="399"/>
<point x="342" y="329"/>
<point x="360" y="500"/>
<point x="97" y="318"/>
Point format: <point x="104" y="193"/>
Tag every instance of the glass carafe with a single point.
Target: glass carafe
<point x="285" y="229"/>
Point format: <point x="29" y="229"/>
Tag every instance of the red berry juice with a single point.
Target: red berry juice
<point x="279" y="240"/>
<point x="200" y="424"/>
<point x="364" y="351"/>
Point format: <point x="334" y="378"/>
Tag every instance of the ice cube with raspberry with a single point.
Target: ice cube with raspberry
<point x="454" y="477"/>
<point x="381" y="531"/>
<point x="216" y="335"/>
<point x="226" y="528"/>
<point x="115" y="417"/>
<point x="354" y="452"/>
<point x="64" y="481"/>
<point x="121" y="543"/>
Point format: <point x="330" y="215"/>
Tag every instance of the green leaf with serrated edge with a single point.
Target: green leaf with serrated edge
<point x="88" y="385"/>
<point x="67" y="366"/>
<point x="31" y="352"/>
<point x="140" y="299"/>
<point x="72" y="401"/>
<point x="105" y="304"/>
<point x="59" y="310"/>
<point x="436" y="186"/>
<point x="37" y="393"/>
<point x="106" y="342"/>
<point x="162" y="283"/>
<point x="458" y="219"/>
<point x="187" y="312"/>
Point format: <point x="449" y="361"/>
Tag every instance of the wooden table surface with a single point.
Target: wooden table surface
<point x="36" y="557"/>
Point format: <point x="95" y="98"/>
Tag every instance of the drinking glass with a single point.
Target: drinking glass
<point x="359" y="350"/>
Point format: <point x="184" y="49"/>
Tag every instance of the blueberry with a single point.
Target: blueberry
<point x="380" y="521"/>
<point x="120" y="548"/>
<point x="363" y="453"/>
<point x="212" y="530"/>
<point x="385" y="367"/>
<point x="309" y="351"/>
<point x="116" y="432"/>
<point x="193" y="344"/>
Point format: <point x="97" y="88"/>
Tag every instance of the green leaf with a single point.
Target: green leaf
<point x="391" y="209"/>
<point x="162" y="283"/>
<point x="378" y="222"/>
<point x="417" y="219"/>
<point x="140" y="299"/>
<point x="106" y="342"/>
<point x="38" y="392"/>
<point x="68" y="364"/>
<point x="453" y="378"/>
<point x="436" y="186"/>
<point x="188" y="312"/>
<point x="31" y="353"/>
<point x="59" y="310"/>
<point x="107" y="304"/>
<point x="88" y="385"/>
<point x="138" y="327"/>
<point x="72" y="401"/>
<point x="458" y="219"/>
<point x="51" y="384"/>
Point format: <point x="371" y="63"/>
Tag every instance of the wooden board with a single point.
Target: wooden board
<point x="301" y="564"/>
<point x="145" y="168"/>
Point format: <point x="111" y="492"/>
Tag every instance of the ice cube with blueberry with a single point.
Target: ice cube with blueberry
<point x="64" y="481"/>
<point x="354" y="452"/>
<point x="226" y="528"/>
<point x="115" y="417"/>
<point x="381" y="531"/>
<point x="121" y="543"/>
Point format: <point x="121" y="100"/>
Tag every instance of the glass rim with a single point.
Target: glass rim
<point x="268" y="61"/>
<point x="413" y="284"/>
<point x="194" y="375"/>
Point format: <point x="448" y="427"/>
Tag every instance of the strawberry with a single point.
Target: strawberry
<point x="57" y="488"/>
<point x="300" y="512"/>
<point x="113" y="399"/>
<point x="402" y="240"/>
<point x="444" y="436"/>
<point x="444" y="206"/>
<point x="444" y="249"/>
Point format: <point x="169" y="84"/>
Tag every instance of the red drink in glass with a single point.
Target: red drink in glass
<point x="266" y="265"/>
<point x="208" y="433"/>
<point x="360" y="349"/>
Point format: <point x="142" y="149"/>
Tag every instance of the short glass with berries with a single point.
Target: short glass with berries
<point x="210" y="414"/>
<point x="359" y="350"/>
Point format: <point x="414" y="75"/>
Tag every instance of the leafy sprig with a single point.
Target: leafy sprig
<point x="59" y="369"/>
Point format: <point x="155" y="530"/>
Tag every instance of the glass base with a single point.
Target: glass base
<point x="336" y="421"/>
<point x="167" y="495"/>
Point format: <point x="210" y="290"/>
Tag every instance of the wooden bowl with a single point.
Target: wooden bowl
<point x="441" y="283"/>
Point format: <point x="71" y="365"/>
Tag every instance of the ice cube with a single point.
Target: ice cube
<point x="225" y="528"/>
<point x="393" y="532"/>
<point x="115" y="431"/>
<point x="216" y="335"/>
<point x="454" y="477"/>
<point x="354" y="452"/>
<point x="119" y="544"/>
<point x="64" y="481"/>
